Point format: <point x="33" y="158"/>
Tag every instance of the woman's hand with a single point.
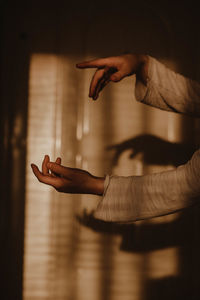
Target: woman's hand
<point x="114" y="69"/>
<point x="68" y="180"/>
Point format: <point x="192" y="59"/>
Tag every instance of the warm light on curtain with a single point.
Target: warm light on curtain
<point x="65" y="259"/>
<point x="42" y="124"/>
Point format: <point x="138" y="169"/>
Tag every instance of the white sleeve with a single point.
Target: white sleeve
<point x="140" y="197"/>
<point x="168" y="90"/>
<point x="134" y="198"/>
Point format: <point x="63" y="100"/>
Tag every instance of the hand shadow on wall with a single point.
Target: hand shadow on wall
<point x="182" y="232"/>
<point x="155" y="150"/>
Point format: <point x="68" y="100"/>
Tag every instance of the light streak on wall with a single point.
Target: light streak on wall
<point x="38" y="258"/>
<point x="64" y="258"/>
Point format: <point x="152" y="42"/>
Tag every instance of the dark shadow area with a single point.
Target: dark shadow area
<point x="181" y="233"/>
<point x="151" y="236"/>
<point x="154" y="150"/>
<point x="14" y="74"/>
<point x="165" y="289"/>
<point x="144" y="237"/>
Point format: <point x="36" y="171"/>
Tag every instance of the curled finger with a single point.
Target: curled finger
<point x="104" y="80"/>
<point x="100" y="87"/>
<point x="44" y="178"/>
<point x="58" y="162"/>
<point x="45" y="170"/>
<point x="96" y="79"/>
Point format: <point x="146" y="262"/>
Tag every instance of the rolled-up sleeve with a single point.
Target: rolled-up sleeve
<point x="141" y="197"/>
<point x="168" y="90"/>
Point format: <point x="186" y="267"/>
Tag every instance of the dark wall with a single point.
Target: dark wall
<point x="14" y="78"/>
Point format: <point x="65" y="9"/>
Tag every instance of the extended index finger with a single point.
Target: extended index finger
<point x="95" y="63"/>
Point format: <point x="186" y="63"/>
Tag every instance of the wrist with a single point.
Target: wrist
<point x="97" y="185"/>
<point x="142" y="71"/>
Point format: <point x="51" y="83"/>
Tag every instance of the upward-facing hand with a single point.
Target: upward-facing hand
<point x="68" y="180"/>
<point x="114" y="69"/>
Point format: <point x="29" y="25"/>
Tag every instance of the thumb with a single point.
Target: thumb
<point x="117" y="76"/>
